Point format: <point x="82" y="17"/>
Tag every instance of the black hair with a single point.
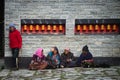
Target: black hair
<point x="56" y="49"/>
<point x="85" y="48"/>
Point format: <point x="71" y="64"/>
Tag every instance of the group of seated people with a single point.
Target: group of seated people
<point x="55" y="60"/>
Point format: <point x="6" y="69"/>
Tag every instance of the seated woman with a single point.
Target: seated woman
<point x="86" y="58"/>
<point x="38" y="60"/>
<point x="67" y="59"/>
<point x="53" y="58"/>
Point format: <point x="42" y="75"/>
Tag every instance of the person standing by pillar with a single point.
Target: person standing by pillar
<point x="15" y="43"/>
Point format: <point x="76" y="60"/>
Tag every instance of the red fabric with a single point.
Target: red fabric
<point x="15" y="39"/>
<point x="90" y="60"/>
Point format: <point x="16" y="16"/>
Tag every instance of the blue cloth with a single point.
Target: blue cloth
<point x="84" y="57"/>
<point x="57" y="58"/>
<point x="12" y="25"/>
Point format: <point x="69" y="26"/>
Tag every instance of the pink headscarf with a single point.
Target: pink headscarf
<point x="39" y="52"/>
<point x="68" y="49"/>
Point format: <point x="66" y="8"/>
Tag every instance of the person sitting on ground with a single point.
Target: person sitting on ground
<point x="67" y="58"/>
<point x="38" y="60"/>
<point x="86" y="58"/>
<point x="53" y="58"/>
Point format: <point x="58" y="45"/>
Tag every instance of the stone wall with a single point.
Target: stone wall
<point x="99" y="45"/>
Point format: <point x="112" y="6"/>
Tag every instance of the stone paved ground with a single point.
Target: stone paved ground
<point x="76" y="73"/>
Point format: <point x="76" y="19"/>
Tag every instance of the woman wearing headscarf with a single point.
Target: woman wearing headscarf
<point x="86" y="58"/>
<point x="38" y="60"/>
<point x="67" y="58"/>
<point x="53" y="58"/>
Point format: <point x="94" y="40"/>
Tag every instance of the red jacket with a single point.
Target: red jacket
<point x="15" y="39"/>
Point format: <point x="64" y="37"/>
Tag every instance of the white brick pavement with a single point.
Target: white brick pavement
<point x="76" y="73"/>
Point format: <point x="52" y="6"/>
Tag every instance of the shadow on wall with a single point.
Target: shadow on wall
<point x="1" y="28"/>
<point x="1" y="40"/>
<point x="98" y="61"/>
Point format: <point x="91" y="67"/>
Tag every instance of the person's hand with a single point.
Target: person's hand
<point x="90" y="60"/>
<point x="61" y="66"/>
<point x="32" y="62"/>
<point x="83" y="61"/>
<point x="35" y="63"/>
<point x="56" y="61"/>
<point x="68" y="60"/>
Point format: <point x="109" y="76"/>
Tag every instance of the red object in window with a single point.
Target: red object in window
<point x="97" y="28"/>
<point x="49" y="28"/>
<point x="79" y="28"/>
<point x="37" y="27"/>
<point x="54" y="28"/>
<point x="115" y="28"/>
<point x="103" y="28"/>
<point x="109" y="29"/>
<point x="91" y="28"/>
<point x="42" y="28"/>
<point x="31" y="28"/>
<point x="61" y="29"/>
<point x="85" y="28"/>
<point x="25" y="28"/>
